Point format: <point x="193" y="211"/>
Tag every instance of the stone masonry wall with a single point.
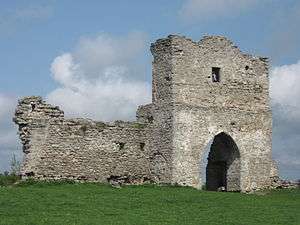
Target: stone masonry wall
<point x="80" y="149"/>
<point x="200" y="109"/>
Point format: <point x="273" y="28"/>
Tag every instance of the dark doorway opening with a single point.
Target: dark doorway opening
<point x="223" y="166"/>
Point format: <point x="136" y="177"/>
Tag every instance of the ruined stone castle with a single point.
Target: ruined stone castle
<point x="202" y="92"/>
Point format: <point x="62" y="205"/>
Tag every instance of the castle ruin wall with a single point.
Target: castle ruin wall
<point x="202" y="92"/>
<point x="80" y="149"/>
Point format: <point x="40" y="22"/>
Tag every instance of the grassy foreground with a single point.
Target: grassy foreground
<point x="48" y="203"/>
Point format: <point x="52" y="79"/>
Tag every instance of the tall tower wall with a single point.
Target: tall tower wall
<point x="200" y="107"/>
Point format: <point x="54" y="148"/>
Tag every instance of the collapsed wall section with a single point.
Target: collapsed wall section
<point x="80" y="149"/>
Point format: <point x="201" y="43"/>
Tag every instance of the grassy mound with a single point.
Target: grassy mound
<point x="51" y="203"/>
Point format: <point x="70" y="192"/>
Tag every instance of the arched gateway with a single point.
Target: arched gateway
<point x="223" y="166"/>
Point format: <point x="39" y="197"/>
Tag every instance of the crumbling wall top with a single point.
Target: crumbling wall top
<point x="32" y="108"/>
<point x="217" y="41"/>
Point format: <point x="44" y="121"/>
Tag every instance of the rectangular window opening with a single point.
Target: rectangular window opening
<point x="215" y="74"/>
<point x="142" y="146"/>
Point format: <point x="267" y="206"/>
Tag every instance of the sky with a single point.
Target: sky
<point x="92" y="58"/>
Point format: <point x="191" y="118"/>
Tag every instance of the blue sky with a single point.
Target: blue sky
<point x="44" y="42"/>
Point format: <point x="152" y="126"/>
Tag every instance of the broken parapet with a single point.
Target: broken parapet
<point x="31" y="113"/>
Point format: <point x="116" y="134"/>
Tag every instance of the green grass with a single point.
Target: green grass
<point x="6" y="180"/>
<point x="50" y="203"/>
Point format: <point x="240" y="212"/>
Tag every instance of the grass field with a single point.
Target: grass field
<point x="52" y="203"/>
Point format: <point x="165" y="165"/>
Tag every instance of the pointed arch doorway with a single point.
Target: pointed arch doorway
<point x="223" y="165"/>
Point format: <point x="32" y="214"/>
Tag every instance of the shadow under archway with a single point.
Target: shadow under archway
<point x="223" y="166"/>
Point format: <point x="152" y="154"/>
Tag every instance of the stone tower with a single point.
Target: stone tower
<point x="210" y="91"/>
<point x="202" y="92"/>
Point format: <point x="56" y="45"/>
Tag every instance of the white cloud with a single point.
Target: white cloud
<point x="9" y="143"/>
<point x="96" y="54"/>
<point x="6" y="107"/>
<point x="285" y="89"/>
<point x="197" y="10"/>
<point x="64" y="70"/>
<point x="97" y="80"/>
